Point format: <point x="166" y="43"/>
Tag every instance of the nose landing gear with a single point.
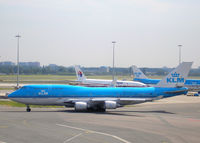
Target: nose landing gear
<point x="28" y="109"/>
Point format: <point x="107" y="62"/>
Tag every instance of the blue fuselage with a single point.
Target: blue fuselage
<point x="147" y="81"/>
<point x="68" y="91"/>
<point x="188" y="83"/>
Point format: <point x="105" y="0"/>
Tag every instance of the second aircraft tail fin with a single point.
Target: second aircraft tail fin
<point x="79" y="74"/>
<point x="138" y="73"/>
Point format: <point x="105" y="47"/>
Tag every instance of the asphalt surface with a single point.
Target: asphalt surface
<point x="155" y="123"/>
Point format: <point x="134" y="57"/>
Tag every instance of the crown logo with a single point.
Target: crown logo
<point x="137" y="74"/>
<point x="43" y="92"/>
<point x="175" y="74"/>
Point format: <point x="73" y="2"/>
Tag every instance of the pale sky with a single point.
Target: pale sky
<point x="69" y="32"/>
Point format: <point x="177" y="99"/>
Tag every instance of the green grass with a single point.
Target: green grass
<point x="16" y="104"/>
<point x="61" y="79"/>
<point x="7" y="88"/>
<point x="36" y="77"/>
<point x="51" y="78"/>
<point x="54" y="78"/>
<point x="12" y="104"/>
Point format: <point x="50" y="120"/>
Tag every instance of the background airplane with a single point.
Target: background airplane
<point x="191" y="84"/>
<point x="102" y="98"/>
<point x="104" y="83"/>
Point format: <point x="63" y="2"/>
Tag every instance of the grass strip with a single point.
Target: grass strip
<point x="16" y="104"/>
<point x="7" y="88"/>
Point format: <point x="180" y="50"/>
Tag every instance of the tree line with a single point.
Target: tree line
<point x="61" y="70"/>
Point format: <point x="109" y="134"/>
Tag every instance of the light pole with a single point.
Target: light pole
<point x="18" y="36"/>
<point x="180" y="53"/>
<point x="113" y="76"/>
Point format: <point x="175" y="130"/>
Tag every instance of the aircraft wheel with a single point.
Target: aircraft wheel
<point x="101" y="109"/>
<point x="28" y="109"/>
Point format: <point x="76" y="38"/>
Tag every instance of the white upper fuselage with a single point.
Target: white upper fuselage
<point x="104" y="83"/>
<point x="118" y="83"/>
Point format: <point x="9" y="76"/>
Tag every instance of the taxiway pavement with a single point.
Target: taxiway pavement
<point x="163" y="122"/>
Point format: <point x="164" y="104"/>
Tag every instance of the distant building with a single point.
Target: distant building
<point x="53" y="66"/>
<point x="31" y="64"/>
<point x="7" y="63"/>
<point x="104" y="68"/>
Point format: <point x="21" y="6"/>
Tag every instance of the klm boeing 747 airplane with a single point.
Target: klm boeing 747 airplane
<point x="101" y="98"/>
<point x="191" y="84"/>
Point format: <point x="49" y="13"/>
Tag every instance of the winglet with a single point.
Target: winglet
<point x="138" y="73"/>
<point x="177" y="77"/>
<point x="79" y="74"/>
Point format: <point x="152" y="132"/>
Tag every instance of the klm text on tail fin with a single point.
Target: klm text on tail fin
<point x="177" y="77"/>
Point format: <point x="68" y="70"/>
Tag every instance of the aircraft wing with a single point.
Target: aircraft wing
<point x="100" y="100"/>
<point x="121" y="99"/>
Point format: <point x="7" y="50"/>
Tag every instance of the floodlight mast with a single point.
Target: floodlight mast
<point x="180" y="46"/>
<point x="113" y="71"/>
<point x="18" y="36"/>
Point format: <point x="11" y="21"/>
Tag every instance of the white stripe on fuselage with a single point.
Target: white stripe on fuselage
<point x="64" y="101"/>
<point x="39" y="101"/>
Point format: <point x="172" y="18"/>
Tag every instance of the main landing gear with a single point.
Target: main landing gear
<point x="28" y="109"/>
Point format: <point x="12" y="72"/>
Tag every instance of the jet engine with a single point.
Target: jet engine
<point x="80" y="106"/>
<point x="110" y="105"/>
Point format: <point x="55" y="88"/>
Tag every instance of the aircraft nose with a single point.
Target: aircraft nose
<point x="7" y="93"/>
<point x="11" y="95"/>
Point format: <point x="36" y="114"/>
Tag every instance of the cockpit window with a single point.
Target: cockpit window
<point x="24" y="87"/>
